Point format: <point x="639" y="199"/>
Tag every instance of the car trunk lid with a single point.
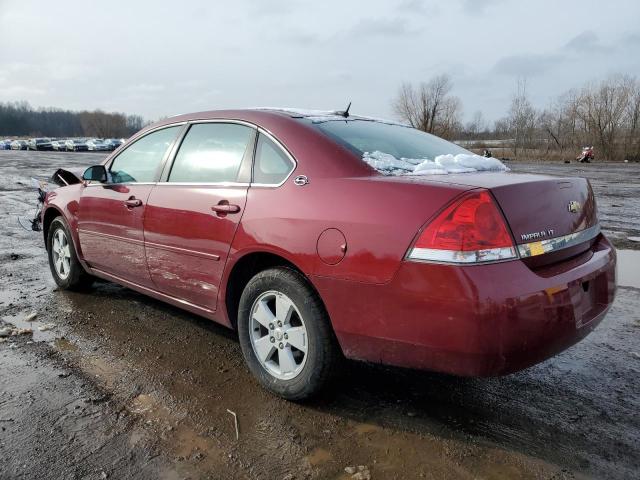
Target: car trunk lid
<point x="546" y="214"/>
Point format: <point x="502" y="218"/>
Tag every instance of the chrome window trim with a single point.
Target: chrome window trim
<point x="206" y="184"/>
<point x="176" y="148"/>
<point x="224" y="120"/>
<point x="119" y="151"/>
<point x="260" y="130"/>
<point x="287" y="153"/>
<point x="532" y="249"/>
<point x="134" y="139"/>
<point x="108" y="184"/>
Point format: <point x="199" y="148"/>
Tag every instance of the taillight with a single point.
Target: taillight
<point x="470" y="230"/>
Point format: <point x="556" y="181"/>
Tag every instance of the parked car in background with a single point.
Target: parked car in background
<point x="113" y="143"/>
<point x="59" y="145"/>
<point x="318" y="235"/>
<point x="97" y="145"/>
<point x="5" y="144"/>
<point x="40" y="144"/>
<point x="19" y="145"/>
<point x="76" y="145"/>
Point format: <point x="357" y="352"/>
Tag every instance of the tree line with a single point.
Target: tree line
<point x="21" y="120"/>
<point x="605" y="115"/>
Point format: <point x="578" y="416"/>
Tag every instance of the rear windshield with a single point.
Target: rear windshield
<point x="394" y="149"/>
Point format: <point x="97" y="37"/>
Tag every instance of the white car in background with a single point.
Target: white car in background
<point x="59" y="145"/>
<point x="97" y="145"/>
<point x="19" y="145"/>
<point x="76" y="145"/>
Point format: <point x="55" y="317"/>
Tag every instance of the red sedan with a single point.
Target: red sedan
<point x="322" y="235"/>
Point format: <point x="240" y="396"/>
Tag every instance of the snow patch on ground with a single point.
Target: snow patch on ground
<point x="441" y="165"/>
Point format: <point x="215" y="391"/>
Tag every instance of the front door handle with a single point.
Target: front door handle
<point x="223" y="208"/>
<point x="133" y="202"/>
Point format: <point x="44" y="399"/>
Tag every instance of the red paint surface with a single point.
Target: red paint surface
<point x="468" y="320"/>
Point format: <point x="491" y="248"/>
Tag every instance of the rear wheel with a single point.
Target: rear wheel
<point x="285" y="334"/>
<point x="65" y="267"/>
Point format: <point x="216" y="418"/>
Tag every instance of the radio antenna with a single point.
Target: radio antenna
<point x="345" y="113"/>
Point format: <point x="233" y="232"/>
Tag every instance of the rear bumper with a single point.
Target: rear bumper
<point x="473" y="320"/>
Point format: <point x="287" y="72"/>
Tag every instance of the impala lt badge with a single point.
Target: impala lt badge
<point x="574" y="207"/>
<point x="542" y="234"/>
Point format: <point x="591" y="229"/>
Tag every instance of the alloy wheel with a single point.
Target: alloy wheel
<point x="61" y="252"/>
<point x="278" y="335"/>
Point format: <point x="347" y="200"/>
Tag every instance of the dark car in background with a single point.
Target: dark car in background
<point x="5" y="144"/>
<point x="113" y="143"/>
<point x="40" y="144"/>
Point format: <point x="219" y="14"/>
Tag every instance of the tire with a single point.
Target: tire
<point x="65" y="267"/>
<point x="310" y="370"/>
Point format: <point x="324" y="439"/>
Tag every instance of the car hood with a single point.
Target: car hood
<point x="67" y="176"/>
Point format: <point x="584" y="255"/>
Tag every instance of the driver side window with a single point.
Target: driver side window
<point x="141" y="160"/>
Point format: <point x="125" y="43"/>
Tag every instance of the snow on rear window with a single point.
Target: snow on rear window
<point x="441" y="165"/>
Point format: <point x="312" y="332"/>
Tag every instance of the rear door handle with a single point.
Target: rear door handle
<point x="133" y="202"/>
<point x="224" y="208"/>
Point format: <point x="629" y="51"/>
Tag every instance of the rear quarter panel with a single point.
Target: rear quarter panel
<point x="379" y="218"/>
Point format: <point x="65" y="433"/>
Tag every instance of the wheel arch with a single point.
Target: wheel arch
<point x="245" y="268"/>
<point x="49" y="214"/>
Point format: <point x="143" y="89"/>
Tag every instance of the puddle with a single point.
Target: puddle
<point x="150" y="408"/>
<point x="319" y="456"/>
<point x="35" y="324"/>
<point x="629" y="268"/>
<point x="65" y="345"/>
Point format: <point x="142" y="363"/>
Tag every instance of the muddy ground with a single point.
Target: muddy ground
<point x="112" y="384"/>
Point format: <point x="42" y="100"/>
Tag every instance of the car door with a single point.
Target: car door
<point x="110" y="214"/>
<point x="192" y="215"/>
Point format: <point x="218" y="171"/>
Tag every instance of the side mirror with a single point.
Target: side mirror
<point x="97" y="173"/>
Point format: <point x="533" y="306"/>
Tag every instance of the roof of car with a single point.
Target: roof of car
<point x="263" y="115"/>
<point x="325" y="159"/>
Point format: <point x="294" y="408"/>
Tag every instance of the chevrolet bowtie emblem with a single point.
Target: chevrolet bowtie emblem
<point x="574" y="207"/>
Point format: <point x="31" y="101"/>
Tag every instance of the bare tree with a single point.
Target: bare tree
<point x="501" y="128"/>
<point x="429" y="107"/>
<point x="560" y="123"/>
<point x="632" y="140"/>
<point x="477" y="125"/>
<point x="19" y="118"/>
<point x="522" y="118"/>
<point x="602" y="108"/>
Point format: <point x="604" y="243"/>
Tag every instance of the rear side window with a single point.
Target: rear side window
<point x="140" y="161"/>
<point x="211" y="153"/>
<point x="271" y="165"/>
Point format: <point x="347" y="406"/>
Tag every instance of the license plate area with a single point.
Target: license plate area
<point x="584" y="297"/>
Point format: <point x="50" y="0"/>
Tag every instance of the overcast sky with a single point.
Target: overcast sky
<point x="159" y="58"/>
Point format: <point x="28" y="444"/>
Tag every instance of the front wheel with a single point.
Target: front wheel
<point x="65" y="267"/>
<point x="285" y="334"/>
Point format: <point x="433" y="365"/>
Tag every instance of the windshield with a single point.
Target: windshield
<point x="394" y="149"/>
